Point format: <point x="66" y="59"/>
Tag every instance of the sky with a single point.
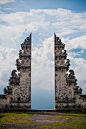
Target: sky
<point x="43" y="18"/>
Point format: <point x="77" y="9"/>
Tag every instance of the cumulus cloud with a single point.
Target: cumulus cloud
<point x="43" y="23"/>
<point x="79" y="66"/>
<point x="7" y="63"/>
<point x="6" y="1"/>
<point x="43" y="65"/>
<point x="82" y="51"/>
<point x="7" y="9"/>
<point x="74" y="54"/>
<point x="78" y="42"/>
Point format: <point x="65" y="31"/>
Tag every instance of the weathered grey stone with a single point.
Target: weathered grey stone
<point x="67" y="93"/>
<point x="18" y="93"/>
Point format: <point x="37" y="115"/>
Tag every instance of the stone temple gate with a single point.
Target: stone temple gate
<point x="18" y="93"/>
<point x="68" y="96"/>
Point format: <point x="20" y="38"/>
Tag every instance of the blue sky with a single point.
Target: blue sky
<point x="66" y="18"/>
<point x="26" y="5"/>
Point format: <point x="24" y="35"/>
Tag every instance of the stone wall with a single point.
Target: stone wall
<point x="3" y="101"/>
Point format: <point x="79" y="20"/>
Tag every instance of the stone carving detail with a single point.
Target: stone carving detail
<point x="18" y="62"/>
<point x="19" y="89"/>
<point x="60" y="88"/>
<point x="14" y="79"/>
<point x="71" y="78"/>
<point x="68" y="96"/>
<point x="27" y="43"/>
<point x="25" y="89"/>
<point x="71" y="75"/>
<point x="58" y="43"/>
<point x="68" y="63"/>
<point x="20" y="52"/>
<point x="67" y="93"/>
<point x="16" y="95"/>
<point x="8" y="90"/>
<point x="13" y="73"/>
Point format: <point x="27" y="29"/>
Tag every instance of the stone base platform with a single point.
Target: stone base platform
<point x="43" y="110"/>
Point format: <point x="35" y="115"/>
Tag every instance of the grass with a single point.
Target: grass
<point x="13" y="118"/>
<point x="71" y="124"/>
<point x="64" y="121"/>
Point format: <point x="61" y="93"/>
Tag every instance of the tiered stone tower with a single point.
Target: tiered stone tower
<point x="18" y="93"/>
<point x="67" y="93"/>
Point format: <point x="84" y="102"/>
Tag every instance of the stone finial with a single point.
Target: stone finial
<point x="65" y="52"/>
<point x="18" y="62"/>
<point x="58" y="43"/>
<point x="13" y="73"/>
<point x="71" y="78"/>
<point x="28" y="38"/>
<point x="68" y="62"/>
<point x="80" y="90"/>
<point x="8" y="90"/>
<point x="5" y="90"/>
<point x="14" y="79"/>
<point x="77" y="90"/>
<point x="27" y="43"/>
<point x="20" y="52"/>
<point x="71" y="75"/>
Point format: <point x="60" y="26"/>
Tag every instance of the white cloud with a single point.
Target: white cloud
<point x="74" y="54"/>
<point x="82" y="51"/>
<point x="80" y="71"/>
<point x="7" y="8"/>
<point x="42" y="66"/>
<point x="53" y="12"/>
<point x="7" y="63"/>
<point x="60" y="21"/>
<point x="43" y="23"/>
<point x="6" y="1"/>
<point x="42" y="77"/>
<point x="78" y="42"/>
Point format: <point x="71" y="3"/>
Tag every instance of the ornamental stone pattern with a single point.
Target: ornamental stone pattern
<point x="18" y="93"/>
<point x="68" y="96"/>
